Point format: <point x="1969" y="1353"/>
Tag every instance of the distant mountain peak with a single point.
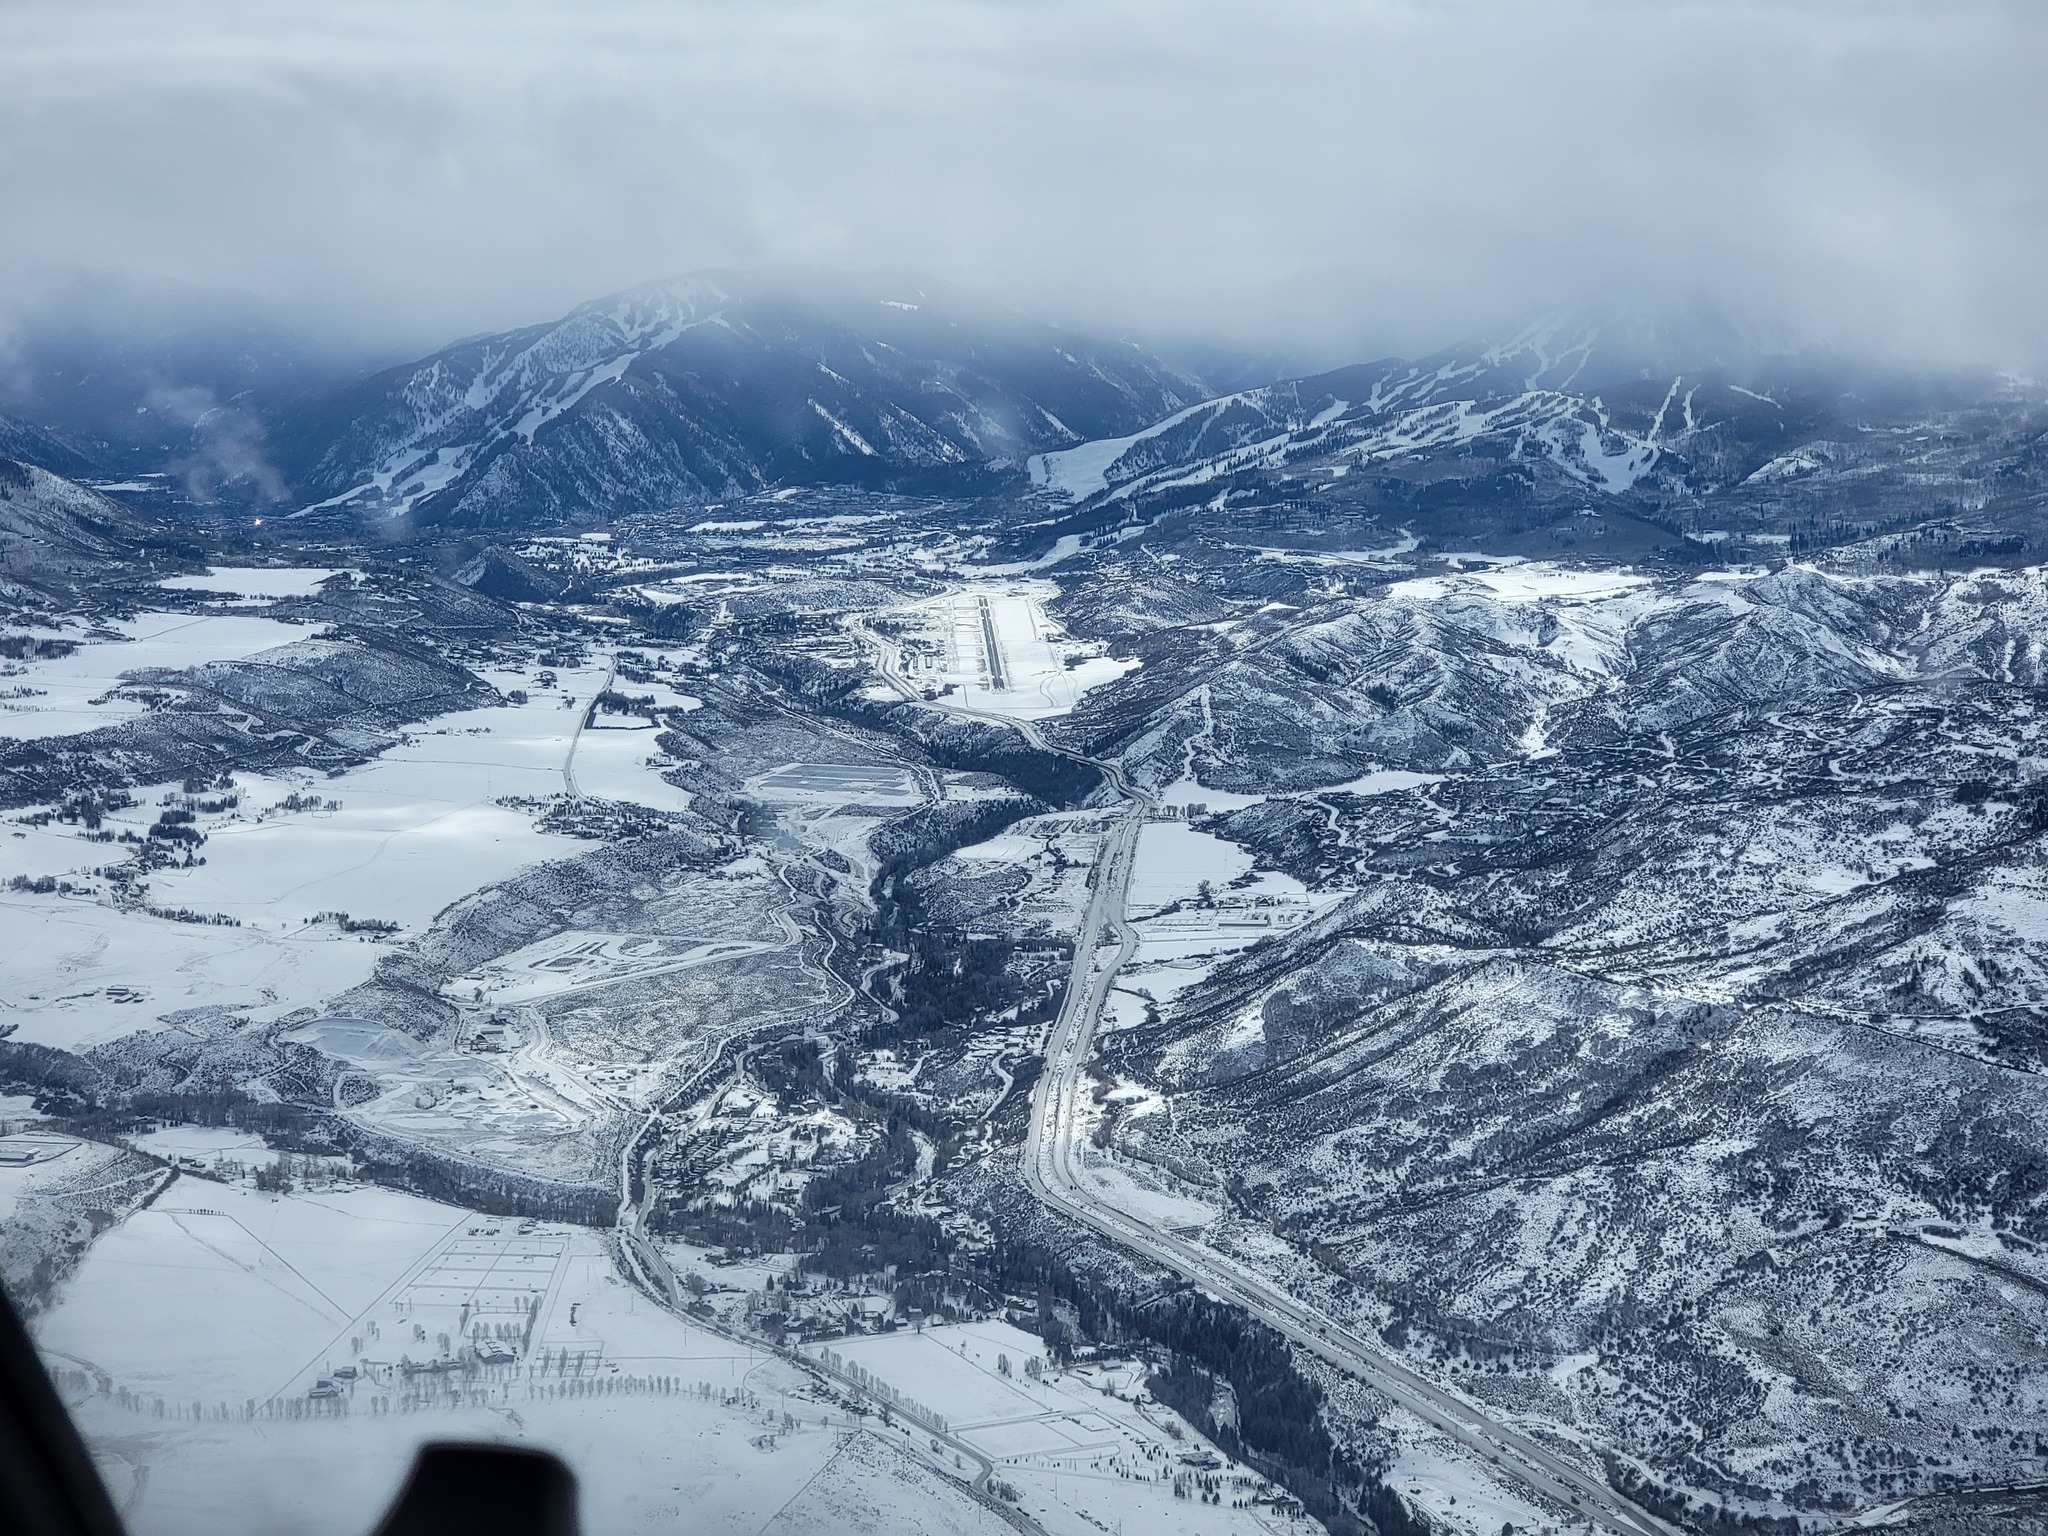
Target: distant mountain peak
<point x="711" y="385"/>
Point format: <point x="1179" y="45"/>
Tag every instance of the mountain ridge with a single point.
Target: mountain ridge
<point x="713" y="386"/>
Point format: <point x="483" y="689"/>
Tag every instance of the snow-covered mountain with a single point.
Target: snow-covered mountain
<point x="1587" y="898"/>
<point x="1525" y="394"/>
<point x="56" y="536"/>
<point x="1700" y="434"/>
<point x="26" y="443"/>
<point x="712" y="386"/>
<point x="1542" y="394"/>
<point x="1678" y="1016"/>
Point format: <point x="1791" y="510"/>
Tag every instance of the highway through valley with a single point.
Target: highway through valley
<point x="1053" y="1169"/>
<point x="569" y="786"/>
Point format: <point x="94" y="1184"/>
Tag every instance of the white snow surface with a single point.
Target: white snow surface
<point x="509" y="393"/>
<point x="1520" y="582"/>
<point x="1175" y="859"/>
<point x="1452" y="1489"/>
<point x="1087" y="1448"/>
<point x="415" y="829"/>
<point x="1384" y="781"/>
<point x="1080" y="472"/>
<point x="187" y="1322"/>
<point x="1416" y="414"/>
<point x="75" y="974"/>
<point x="64" y="695"/>
<point x="255" y="580"/>
<point x="223" y="1297"/>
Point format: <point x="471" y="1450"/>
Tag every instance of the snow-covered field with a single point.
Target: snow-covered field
<point x="188" y="1327"/>
<point x="1146" y="1193"/>
<point x="254" y="581"/>
<point x="569" y="962"/>
<point x="1087" y="1448"/>
<point x="238" y="1361"/>
<point x="1508" y="579"/>
<point x="1193" y="798"/>
<point x="421" y="825"/>
<point x="220" y="1293"/>
<point x="836" y="784"/>
<point x="395" y="839"/>
<point x="1451" y="1488"/>
<point x="1195" y="894"/>
<point x="873" y="1487"/>
<point x="616" y="755"/>
<point x="63" y="695"/>
<point x="203" y="1143"/>
<point x="77" y="973"/>
<point x="1176" y="860"/>
<point x="32" y="1158"/>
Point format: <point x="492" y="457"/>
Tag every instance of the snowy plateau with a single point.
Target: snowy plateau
<point x="862" y="924"/>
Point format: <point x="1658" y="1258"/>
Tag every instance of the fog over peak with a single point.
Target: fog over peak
<point x="1328" y="181"/>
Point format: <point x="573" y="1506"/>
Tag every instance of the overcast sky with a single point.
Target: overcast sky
<point x="1329" y="178"/>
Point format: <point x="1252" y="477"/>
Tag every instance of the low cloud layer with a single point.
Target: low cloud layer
<point x="1330" y="179"/>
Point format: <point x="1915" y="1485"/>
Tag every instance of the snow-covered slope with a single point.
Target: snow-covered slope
<point x="56" y="534"/>
<point x="1572" y="416"/>
<point x="712" y="386"/>
<point x="1673" y="1044"/>
<point x="27" y="443"/>
<point x="1528" y="394"/>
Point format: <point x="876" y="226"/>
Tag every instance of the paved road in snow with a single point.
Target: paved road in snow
<point x="1053" y="1172"/>
<point x="1050" y="1169"/>
<point x="569" y="758"/>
